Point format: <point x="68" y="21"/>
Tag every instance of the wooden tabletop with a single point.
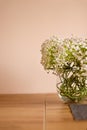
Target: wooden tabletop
<point x="59" y="117"/>
<point x="36" y="112"/>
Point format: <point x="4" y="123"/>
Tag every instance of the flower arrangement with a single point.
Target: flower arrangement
<point x="67" y="59"/>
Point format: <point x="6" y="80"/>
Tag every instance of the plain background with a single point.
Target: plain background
<point x="24" y="25"/>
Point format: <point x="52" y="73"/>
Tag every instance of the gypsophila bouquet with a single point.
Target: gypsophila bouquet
<point x="67" y="59"/>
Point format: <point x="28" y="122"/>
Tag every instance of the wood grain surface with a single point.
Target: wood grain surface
<point x="59" y="117"/>
<point x="36" y="112"/>
<point x="21" y="112"/>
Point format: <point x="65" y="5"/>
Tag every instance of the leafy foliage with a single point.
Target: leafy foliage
<point x="67" y="59"/>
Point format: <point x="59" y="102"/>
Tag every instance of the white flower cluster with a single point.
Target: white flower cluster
<point x="67" y="59"/>
<point x="50" y="50"/>
<point x="62" y="55"/>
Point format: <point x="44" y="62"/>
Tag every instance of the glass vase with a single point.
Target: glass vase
<point x="68" y="94"/>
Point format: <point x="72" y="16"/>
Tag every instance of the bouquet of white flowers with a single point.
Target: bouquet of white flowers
<point x="67" y="58"/>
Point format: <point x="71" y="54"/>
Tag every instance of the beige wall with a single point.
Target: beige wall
<point x="24" y="25"/>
